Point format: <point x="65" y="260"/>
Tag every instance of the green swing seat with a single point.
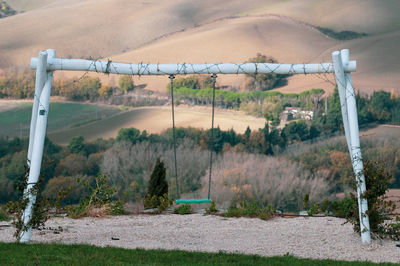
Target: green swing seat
<point x="191" y="201"/>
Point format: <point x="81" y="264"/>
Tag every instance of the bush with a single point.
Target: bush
<point x="161" y="203"/>
<point x="100" y="202"/>
<point x="117" y="208"/>
<point x="183" y="209"/>
<point x="377" y="181"/>
<point x="3" y="216"/>
<point x="250" y="210"/>
<point x="212" y="209"/>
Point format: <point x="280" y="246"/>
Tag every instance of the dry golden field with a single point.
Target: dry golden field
<point x="157" y="119"/>
<point x="209" y="31"/>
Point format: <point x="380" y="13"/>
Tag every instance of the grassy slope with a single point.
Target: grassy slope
<point x="61" y="116"/>
<point x="45" y="254"/>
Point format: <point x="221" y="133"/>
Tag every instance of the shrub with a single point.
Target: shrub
<point x="100" y="202"/>
<point x="212" y="209"/>
<point x="117" y="208"/>
<point x="3" y="216"/>
<point x="183" y="209"/>
<point x="377" y="182"/>
<point x="161" y="203"/>
<point x="243" y="208"/>
<point x="125" y="83"/>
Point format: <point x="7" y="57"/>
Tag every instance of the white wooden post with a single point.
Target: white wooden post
<point x="350" y="121"/>
<point x="37" y="150"/>
<point x="40" y="80"/>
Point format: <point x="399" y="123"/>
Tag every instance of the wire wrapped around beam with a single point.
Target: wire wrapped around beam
<point x="183" y="69"/>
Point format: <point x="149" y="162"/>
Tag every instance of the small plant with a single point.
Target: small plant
<point x="250" y="210"/>
<point x="40" y="212"/>
<point x="266" y="213"/>
<point x="117" y="208"/>
<point x="314" y="208"/>
<point x="212" y="209"/>
<point x="164" y="202"/>
<point x="183" y="209"/>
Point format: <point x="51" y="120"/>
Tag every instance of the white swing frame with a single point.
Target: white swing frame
<point x="46" y="63"/>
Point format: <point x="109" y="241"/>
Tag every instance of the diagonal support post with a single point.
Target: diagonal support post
<point x="350" y="121"/>
<point x="36" y="149"/>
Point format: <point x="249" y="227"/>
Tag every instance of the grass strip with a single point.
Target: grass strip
<point x="58" y="254"/>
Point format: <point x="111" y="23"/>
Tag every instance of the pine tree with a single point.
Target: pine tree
<point x="158" y="185"/>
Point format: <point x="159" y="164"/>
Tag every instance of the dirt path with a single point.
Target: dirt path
<point x="321" y="238"/>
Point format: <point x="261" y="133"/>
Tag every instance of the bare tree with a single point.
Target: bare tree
<point x="267" y="180"/>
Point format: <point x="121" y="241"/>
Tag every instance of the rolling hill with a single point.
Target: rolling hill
<point x="157" y="119"/>
<point x="67" y="119"/>
<point x="209" y="31"/>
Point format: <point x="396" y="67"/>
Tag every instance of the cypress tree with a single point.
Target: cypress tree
<point x="158" y="185"/>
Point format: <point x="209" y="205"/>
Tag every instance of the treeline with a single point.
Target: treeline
<point x="129" y="159"/>
<point x="21" y="84"/>
<point x="380" y="107"/>
<point x="342" y="35"/>
<point x="268" y="104"/>
<point x="84" y="159"/>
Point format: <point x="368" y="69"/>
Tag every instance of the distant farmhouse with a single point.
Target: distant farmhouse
<point x="293" y="113"/>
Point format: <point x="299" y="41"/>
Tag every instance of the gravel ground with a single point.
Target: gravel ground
<point x="320" y="237"/>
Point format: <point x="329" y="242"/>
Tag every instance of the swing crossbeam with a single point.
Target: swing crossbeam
<point x="110" y="67"/>
<point x="192" y="201"/>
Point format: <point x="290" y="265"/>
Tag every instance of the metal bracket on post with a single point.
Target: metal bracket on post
<point x="43" y="102"/>
<point x="350" y="121"/>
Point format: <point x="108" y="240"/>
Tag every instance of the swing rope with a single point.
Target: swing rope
<point x="208" y="200"/>
<point x="214" y="76"/>
<point x="171" y="77"/>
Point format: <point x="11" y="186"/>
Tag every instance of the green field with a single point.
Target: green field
<point x="56" y="254"/>
<point x="16" y="121"/>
